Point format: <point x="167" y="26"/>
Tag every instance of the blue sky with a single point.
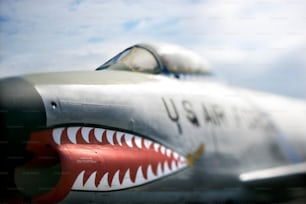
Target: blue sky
<point x="255" y="44"/>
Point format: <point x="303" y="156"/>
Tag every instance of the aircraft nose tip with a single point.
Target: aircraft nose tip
<point x="21" y="111"/>
<point x="20" y="104"/>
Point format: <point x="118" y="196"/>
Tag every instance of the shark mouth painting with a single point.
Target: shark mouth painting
<point x="92" y="159"/>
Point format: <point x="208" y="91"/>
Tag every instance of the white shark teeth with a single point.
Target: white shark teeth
<point x="182" y="162"/>
<point x="128" y="140"/>
<point x="150" y="173"/>
<point x="78" y="183"/>
<point x="156" y="147"/>
<point x="98" y="134"/>
<point x="90" y="183"/>
<point x="109" y="136"/>
<point x="127" y="179"/>
<point x="159" y="170"/>
<point x="85" y="133"/>
<point x="182" y="159"/>
<point x="175" y="155"/>
<point x="166" y="168"/>
<point x="173" y="166"/>
<point x="168" y="152"/>
<point x="118" y="137"/>
<point x="57" y="134"/>
<point x="170" y="161"/>
<point x="138" y="142"/>
<point x="147" y="143"/>
<point x="71" y="132"/>
<point x="103" y="185"/>
<point x="112" y="138"/>
<point x="115" y="184"/>
<point x="139" y="177"/>
<point x="162" y="149"/>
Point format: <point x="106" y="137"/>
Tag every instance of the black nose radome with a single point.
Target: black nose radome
<point x="21" y="111"/>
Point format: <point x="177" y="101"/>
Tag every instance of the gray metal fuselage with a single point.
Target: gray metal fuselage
<point x="238" y="133"/>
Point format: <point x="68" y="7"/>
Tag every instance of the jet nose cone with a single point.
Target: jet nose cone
<point x="20" y="105"/>
<point x="21" y="111"/>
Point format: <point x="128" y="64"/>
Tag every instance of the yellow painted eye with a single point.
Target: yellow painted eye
<point x="196" y="155"/>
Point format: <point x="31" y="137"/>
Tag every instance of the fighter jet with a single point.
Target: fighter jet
<point x="151" y="125"/>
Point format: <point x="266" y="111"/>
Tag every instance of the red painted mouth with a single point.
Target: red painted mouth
<point x="95" y="159"/>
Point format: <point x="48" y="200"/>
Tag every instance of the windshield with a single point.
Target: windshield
<point x="136" y="59"/>
<point x="159" y="58"/>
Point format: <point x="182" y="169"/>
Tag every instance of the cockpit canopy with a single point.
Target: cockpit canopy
<point x="158" y="58"/>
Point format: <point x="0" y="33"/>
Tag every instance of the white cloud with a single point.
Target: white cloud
<point x="40" y="36"/>
<point x="250" y="33"/>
